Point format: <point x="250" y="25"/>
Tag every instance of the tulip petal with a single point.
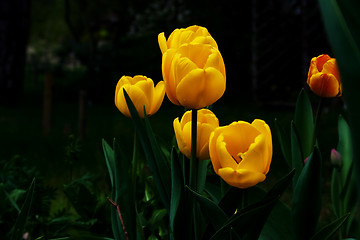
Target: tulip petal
<point x="330" y="67"/>
<point x="216" y="61"/>
<point x="186" y="135"/>
<point x="169" y="76"/>
<point x="213" y="150"/>
<point x="189" y="91"/>
<point x="238" y="137"/>
<point x="162" y="42"/>
<point x="120" y="100"/>
<point x="203" y="133"/>
<point x="139" y="99"/>
<point x="256" y="157"/>
<point x="183" y="147"/>
<point x="321" y="60"/>
<point x="241" y="178"/>
<point x="324" y="85"/>
<point x="158" y="96"/>
<point x="183" y="67"/>
<point x="147" y="86"/>
<point x="214" y="87"/>
<point x="265" y="130"/>
<point x="225" y="158"/>
<point x="200" y="88"/>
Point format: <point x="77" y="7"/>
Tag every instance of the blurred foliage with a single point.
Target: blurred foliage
<point x="79" y="206"/>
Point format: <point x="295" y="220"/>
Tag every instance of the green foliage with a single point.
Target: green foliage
<point x="342" y="26"/>
<point x="306" y="202"/>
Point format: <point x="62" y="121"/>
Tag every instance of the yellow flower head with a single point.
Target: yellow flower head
<point x="241" y="152"/>
<point x="324" y="77"/>
<point x="142" y="93"/>
<point x="192" y="67"/>
<point x="194" y="75"/>
<point x="206" y="123"/>
<point x="192" y="34"/>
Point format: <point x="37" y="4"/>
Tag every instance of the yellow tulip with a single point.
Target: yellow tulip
<point x="194" y="75"/>
<point x="206" y="123"/>
<point x="241" y="152"/>
<point x="324" y="77"/>
<point x="142" y="93"/>
<point x="192" y="34"/>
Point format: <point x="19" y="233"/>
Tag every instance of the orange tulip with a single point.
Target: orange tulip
<point x="324" y="77"/>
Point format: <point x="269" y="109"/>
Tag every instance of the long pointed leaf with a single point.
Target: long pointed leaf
<point x="177" y="189"/>
<point x="110" y="163"/>
<point x="297" y="159"/>
<point x="306" y="201"/>
<point x="21" y="220"/>
<point x="248" y="221"/>
<point x="145" y="141"/>
<point x="211" y="210"/>
<point x="329" y="230"/>
<point x="304" y="122"/>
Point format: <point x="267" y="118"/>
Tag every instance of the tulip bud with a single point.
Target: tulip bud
<point x="206" y="123"/>
<point x="142" y="93"/>
<point x="335" y="158"/>
<point x="324" y="77"/>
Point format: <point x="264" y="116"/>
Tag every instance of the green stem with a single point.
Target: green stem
<point x="135" y="163"/>
<point x="193" y="160"/>
<point x="316" y="124"/>
<point x="194" y="165"/>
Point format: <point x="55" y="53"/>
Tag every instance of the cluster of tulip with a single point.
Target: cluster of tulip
<point x="194" y="77"/>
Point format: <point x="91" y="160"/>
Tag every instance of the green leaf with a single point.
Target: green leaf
<point x="347" y="195"/>
<point x="159" y="157"/>
<point x="284" y="142"/>
<point x="345" y="149"/>
<point x="210" y="209"/>
<point x="279" y="188"/>
<point x="329" y="230"/>
<point x="306" y="201"/>
<point x="124" y="195"/>
<point x="111" y="165"/>
<point x="297" y="158"/>
<point x="153" y="157"/>
<point x="21" y="220"/>
<point x="122" y="192"/>
<point x="177" y="189"/>
<point x="342" y="23"/>
<point x="304" y="123"/>
<point x="278" y="224"/>
<point x="248" y="221"/>
<point x="335" y="191"/>
<point x="202" y="173"/>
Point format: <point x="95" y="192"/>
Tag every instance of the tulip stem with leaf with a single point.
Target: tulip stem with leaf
<point x="193" y="159"/>
<point x="316" y="121"/>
